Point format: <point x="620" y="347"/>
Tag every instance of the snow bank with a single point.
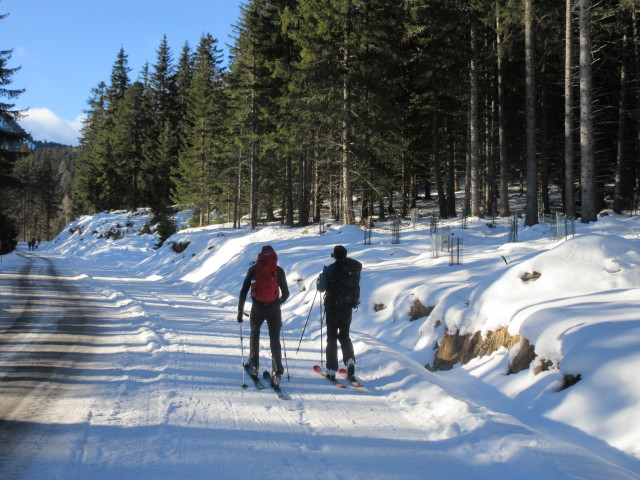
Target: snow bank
<point x="577" y="301"/>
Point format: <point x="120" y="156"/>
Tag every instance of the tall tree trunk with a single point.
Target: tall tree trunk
<point x="253" y="159"/>
<point x="253" y="189"/>
<point x="451" y="181"/>
<point x="587" y="171"/>
<point x="467" y="170"/>
<point x="364" y="212"/>
<point x="437" y="169"/>
<point x="317" y="201"/>
<point x="569" y="188"/>
<point x="334" y="193"/>
<point x="381" y="214"/>
<point x="305" y="204"/>
<point x="531" y="213"/>
<point x="288" y="192"/>
<point x="505" y="211"/>
<point x="490" y="180"/>
<point x="303" y="200"/>
<point x="474" y="126"/>
<point x="622" y="169"/>
<point x="405" y="186"/>
<point x="544" y="148"/>
<point x="636" y="70"/>
<point x="347" y="201"/>
<point x="238" y="195"/>
<point x="414" y="188"/>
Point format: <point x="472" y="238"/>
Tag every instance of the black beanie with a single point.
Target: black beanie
<point x="267" y="248"/>
<point x="339" y="252"/>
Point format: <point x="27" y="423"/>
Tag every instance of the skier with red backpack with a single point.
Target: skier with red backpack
<point x="268" y="285"/>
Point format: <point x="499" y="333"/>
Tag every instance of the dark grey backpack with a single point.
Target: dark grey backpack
<point x="346" y="283"/>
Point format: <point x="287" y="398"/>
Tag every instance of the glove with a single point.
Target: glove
<point x="240" y="317"/>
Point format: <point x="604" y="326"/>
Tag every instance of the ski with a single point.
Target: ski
<point x="318" y="369"/>
<point x="355" y="383"/>
<point x="255" y="378"/>
<point x="276" y="388"/>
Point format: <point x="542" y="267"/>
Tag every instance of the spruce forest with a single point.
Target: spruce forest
<point x="354" y="109"/>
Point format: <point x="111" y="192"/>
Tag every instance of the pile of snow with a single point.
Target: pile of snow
<point x="581" y="311"/>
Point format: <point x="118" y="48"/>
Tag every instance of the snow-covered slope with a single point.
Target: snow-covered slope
<point x="582" y="313"/>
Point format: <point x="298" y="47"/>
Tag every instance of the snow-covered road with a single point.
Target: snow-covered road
<point x="106" y="374"/>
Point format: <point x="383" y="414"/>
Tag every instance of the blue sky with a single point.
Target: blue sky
<point x="66" y="47"/>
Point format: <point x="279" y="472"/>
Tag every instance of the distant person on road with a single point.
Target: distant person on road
<point x="269" y="290"/>
<point x="341" y="282"/>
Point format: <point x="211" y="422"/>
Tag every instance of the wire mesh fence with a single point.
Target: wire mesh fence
<point x="561" y="226"/>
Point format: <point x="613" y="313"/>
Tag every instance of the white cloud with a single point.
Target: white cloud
<point x="45" y="125"/>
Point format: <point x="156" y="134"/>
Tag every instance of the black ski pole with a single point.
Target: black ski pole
<point x="321" y="344"/>
<point x="244" y="385"/>
<point x="305" y="323"/>
<point x="286" y="361"/>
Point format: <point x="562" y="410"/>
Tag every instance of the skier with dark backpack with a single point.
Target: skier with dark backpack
<point x="268" y="285"/>
<point x="341" y="282"/>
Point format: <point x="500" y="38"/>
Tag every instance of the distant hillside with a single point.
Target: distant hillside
<point x="63" y="160"/>
<point x="37" y="145"/>
<point x="39" y="196"/>
<point x="12" y="130"/>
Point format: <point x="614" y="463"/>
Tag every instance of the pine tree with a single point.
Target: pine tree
<point x="587" y="175"/>
<point x="264" y="120"/>
<point x="86" y="191"/>
<point x="183" y="80"/>
<point x="127" y="139"/>
<point x="569" y="192"/>
<point x="341" y="100"/>
<point x="530" y="109"/>
<point x="119" y="78"/>
<point x="199" y="177"/>
<point x="435" y="87"/>
<point x="11" y="138"/>
<point x="162" y="134"/>
<point x="37" y="199"/>
<point x="106" y="182"/>
<point x="326" y="37"/>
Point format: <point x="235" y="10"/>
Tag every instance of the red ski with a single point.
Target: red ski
<point x="355" y="383"/>
<point x="318" y="369"/>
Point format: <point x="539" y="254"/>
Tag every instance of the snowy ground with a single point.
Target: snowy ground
<point x="151" y="388"/>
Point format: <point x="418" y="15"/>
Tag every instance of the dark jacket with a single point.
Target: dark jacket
<point x="325" y="277"/>
<point x="327" y="282"/>
<point x="250" y="277"/>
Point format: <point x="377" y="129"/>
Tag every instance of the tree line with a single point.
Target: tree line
<point x="35" y="177"/>
<point x="40" y="200"/>
<point x="36" y="196"/>
<point x="12" y="138"/>
<point x="360" y="107"/>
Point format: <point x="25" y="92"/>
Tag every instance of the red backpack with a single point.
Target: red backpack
<point x="265" y="288"/>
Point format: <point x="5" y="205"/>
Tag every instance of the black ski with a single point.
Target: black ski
<point x="255" y="378"/>
<point x="318" y="369"/>
<point x="276" y="388"/>
<point x="355" y="383"/>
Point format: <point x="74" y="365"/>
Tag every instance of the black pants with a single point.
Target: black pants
<point x="271" y="313"/>
<point x="338" y="325"/>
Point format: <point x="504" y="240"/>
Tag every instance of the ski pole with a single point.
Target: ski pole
<point x="305" y="323"/>
<point x="286" y="361"/>
<point x="244" y="385"/>
<point x="321" y="344"/>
